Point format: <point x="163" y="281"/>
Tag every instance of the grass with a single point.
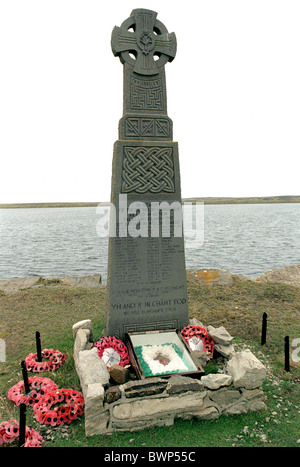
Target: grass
<point x="53" y="310"/>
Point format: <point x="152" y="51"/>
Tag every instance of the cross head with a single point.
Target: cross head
<point x="143" y="42"/>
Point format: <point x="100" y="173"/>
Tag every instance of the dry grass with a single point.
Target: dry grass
<point x="50" y="310"/>
<point x="239" y="307"/>
<point x="54" y="309"/>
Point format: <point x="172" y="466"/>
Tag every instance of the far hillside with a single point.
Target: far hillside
<point x="205" y="200"/>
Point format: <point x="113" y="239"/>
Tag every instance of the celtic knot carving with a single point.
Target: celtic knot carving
<point x="147" y="169"/>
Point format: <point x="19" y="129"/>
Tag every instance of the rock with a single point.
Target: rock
<point x="210" y="276"/>
<point x="112" y="394"/>
<point x="256" y="406"/>
<point x="118" y="373"/>
<point x="236" y="409"/>
<point x="96" y="419"/>
<point x="225" y="350"/>
<point x="85" y="324"/>
<point x="196" y="322"/>
<point x="144" y="388"/>
<point x="253" y="394"/>
<point x="201" y="356"/>
<point x="209" y="413"/>
<point x="219" y="335"/>
<point x="91" y="369"/>
<point x="224" y="397"/>
<point x="215" y="381"/>
<point x="158" y="407"/>
<point x="246" y="370"/>
<point x="289" y="275"/>
<point x="178" y="384"/>
<point x="81" y="342"/>
<point x="205" y="413"/>
<point x="92" y="281"/>
<point x="15" y="285"/>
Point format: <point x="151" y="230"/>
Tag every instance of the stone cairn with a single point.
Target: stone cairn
<point x="154" y="401"/>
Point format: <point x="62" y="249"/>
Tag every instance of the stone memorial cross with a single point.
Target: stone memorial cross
<point x="146" y="285"/>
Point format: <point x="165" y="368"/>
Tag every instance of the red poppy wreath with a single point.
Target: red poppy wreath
<point x="9" y="432"/>
<point x="59" y="407"/>
<point x="55" y="359"/>
<point x="197" y="338"/>
<point x="38" y="387"/>
<point x="112" y="351"/>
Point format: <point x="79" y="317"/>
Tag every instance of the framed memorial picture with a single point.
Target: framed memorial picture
<point x="161" y="353"/>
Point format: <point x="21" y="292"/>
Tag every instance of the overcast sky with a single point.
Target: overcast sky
<point x="233" y="95"/>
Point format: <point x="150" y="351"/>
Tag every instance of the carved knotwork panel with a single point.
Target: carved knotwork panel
<point x="148" y="169"/>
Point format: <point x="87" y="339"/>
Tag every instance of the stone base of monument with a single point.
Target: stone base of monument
<point x="158" y="401"/>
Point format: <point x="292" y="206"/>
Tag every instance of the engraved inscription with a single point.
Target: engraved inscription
<point x="159" y="325"/>
<point x="147" y="169"/>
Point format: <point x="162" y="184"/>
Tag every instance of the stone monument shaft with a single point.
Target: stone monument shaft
<point x="146" y="287"/>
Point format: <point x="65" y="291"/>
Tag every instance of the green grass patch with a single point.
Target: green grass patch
<point x="53" y="310"/>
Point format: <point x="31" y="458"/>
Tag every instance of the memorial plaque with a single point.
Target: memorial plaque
<point x="146" y="286"/>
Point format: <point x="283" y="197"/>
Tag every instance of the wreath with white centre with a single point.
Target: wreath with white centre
<point x="112" y="351"/>
<point x="197" y="338"/>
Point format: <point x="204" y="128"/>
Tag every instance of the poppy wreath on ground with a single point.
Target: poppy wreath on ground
<point x="112" y="351"/>
<point x="197" y="338"/>
<point x="38" y="387"/>
<point x="59" y="407"/>
<point x="9" y="432"/>
<point x="55" y="359"/>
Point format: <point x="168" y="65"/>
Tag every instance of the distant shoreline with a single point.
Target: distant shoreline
<point x="205" y="200"/>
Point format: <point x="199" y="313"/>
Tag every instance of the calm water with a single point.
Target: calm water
<point x="60" y="242"/>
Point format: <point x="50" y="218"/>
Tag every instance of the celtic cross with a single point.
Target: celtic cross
<point x="148" y="40"/>
<point x="144" y="46"/>
<point x="145" y="170"/>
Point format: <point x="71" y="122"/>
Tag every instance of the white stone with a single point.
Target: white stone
<point x="246" y="370"/>
<point x="196" y="322"/>
<point x="215" y="381"/>
<point x="225" y="350"/>
<point x="91" y="369"/>
<point x="81" y="342"/>
<point x="219" y="335"/>
<point x="95" y="419"/>
<point x="84" y="324"/>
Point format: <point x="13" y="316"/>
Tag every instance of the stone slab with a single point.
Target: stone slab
<point x="210" y="276"/>
<point x="143" y="388"/>
<point x="91" y="369"/>
<point x="219" y="335"/>
<point x="216" y="381"/>
<point x="178" y="384"/>
<point x="15" y="285"/>
<point x="289" y="275"/>
<point x="246" y="370"/>
<point x="158" y="406"/>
